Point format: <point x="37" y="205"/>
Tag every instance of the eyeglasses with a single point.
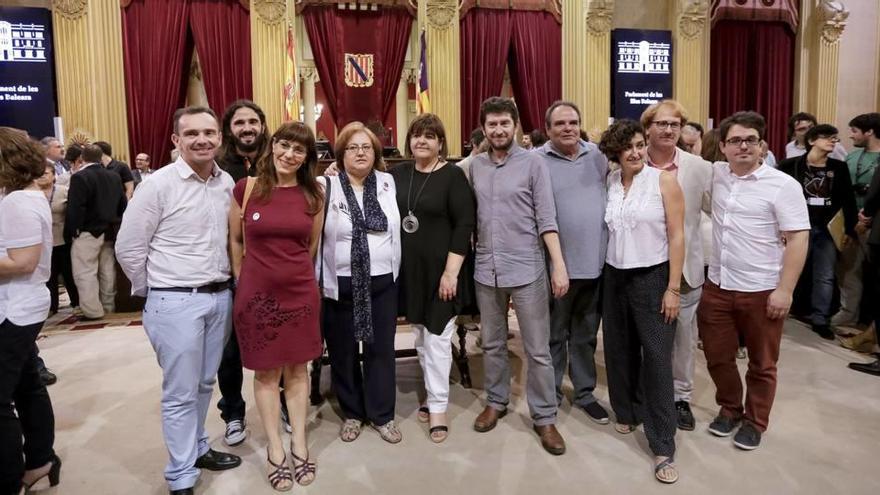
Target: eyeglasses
<point x="354" y="148"/>
<point x="297" y="148"/>
<point x="750" y="141"/>
<point x="833" y="139"/>
<point x="665" y="124"/>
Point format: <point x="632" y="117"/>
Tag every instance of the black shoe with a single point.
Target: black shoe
<point x="217" y="461"/>
<point x="596" y="412"/>
<point x="47" y="377"/>
<point x="685" y="416"/>
<point x="183" y="491"/>
<point x="823" y="331"/>
<point x="748" y="437"/>
<point x="869" y="368"/>
<point x="722" y="426"/>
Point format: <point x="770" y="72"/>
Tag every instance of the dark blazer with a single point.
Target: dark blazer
<point x="95" y="202"/>
<point x="842" y="195"/>
<point x="233" y="164"/>
<point x="872" y="208"/>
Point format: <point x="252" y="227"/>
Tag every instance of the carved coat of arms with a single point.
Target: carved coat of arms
<point x="358" y="70"/>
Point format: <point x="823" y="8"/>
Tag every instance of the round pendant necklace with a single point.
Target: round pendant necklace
<point x="410" y="222"/>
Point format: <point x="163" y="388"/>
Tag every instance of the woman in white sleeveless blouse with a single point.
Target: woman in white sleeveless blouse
<point x="645" y="217"/>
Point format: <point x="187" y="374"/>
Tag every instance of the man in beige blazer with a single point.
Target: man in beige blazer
<point x="663" y="122"/>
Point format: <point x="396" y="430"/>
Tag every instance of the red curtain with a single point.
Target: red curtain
<point x="378" y="38"/>
<point x="485" y="44"/>
<point x="535" y="65"/>
<point x="752" y="69"/>
<point x="222" y="34"/>
<point x="157" y="48"/>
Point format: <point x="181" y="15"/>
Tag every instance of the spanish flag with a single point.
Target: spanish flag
<point x="424" y="103"/>
<point x="291" y="106"/>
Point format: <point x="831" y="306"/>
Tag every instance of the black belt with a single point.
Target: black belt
<point x="205" y="289"/>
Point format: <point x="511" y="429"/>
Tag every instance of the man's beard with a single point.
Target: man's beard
<point x="506" y="147"/>
<point x="248" y="147"/>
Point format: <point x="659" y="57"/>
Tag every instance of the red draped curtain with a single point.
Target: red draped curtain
<point x="158" y="40"/>
<point x="157" y="47"/>
<point x="752" y="68"/>
<point x="382" y="35"/>
<point x="222" y="34"/>
<point x="485" y="44"/>
<point x="535" y="65"/>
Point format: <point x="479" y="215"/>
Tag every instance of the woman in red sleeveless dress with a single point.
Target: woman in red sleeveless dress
<point x="274" y="225"/>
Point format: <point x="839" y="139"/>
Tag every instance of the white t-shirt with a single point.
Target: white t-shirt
<point x="749" y="215"/>
<point x="381" y="250"/>
<point x="25" y="220"/>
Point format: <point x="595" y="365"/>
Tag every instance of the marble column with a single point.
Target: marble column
<point x="691" y="49"/>
<point x="270" y="20"/>
<point x="439" y="19"/>
<point x="817" y="58"/>
<point x="90" y="72"/>
<point x="308" y="78"/>
<point x="594" y="64"/>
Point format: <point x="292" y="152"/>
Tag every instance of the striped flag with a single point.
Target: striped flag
<point x="424" y="103"/>
<point x="291" y="106"/>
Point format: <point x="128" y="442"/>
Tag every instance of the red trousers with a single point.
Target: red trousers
<point x="724" y="316"/>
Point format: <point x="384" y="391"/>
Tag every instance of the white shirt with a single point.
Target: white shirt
<point x="175" y="230"/>
<point x="25" y="220"/>
<point x="636" y="221"/>
<point x="793" y="150"/>
<point x="749" y="215"/>
<point x="381" y="257"/>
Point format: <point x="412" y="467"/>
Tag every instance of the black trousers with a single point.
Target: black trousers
<point x="61" y="265"/>
<point x="365" y="391"/>
<point x="22" y="391"/>
<point x="230" y="378"/>
<point x="638" y="352"/>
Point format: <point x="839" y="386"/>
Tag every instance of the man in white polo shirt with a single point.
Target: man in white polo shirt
<point x="760" y="230"/>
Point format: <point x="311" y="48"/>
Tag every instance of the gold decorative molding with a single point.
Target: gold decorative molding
<point x="692" y="21"/>
<point x="599" y="15"/>
<point x="441" y="13"/>
<point x="832" y="17"/>
<point x="270" y="11"/>
<point x="70" y="9"/>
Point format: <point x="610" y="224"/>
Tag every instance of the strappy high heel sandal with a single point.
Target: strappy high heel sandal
<point x="280" y="478"/>
<point x="302" y="470"/>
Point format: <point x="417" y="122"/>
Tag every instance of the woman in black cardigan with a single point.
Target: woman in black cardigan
<point x="827" y="190"/>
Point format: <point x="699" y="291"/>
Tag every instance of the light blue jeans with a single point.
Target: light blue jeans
<point x="188" y="332"/>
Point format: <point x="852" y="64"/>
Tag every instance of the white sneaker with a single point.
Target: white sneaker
<point x="235" y="432"/>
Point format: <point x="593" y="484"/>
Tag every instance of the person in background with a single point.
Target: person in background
<point x="27" y="421"/>
<point x="55" y="155"/>
<point x="642" y="290"/>
<point x="359" y="266"/>
<point x="798" y="125"/>
<point x="526" y="141"/>
<point x="691" y="139"/>
<point x="278" y="215"/>
<point x="538" y="138"/>
<point x="142" y="168"/>
<point x="57" y="196"/>
<point x="118" y="167"/>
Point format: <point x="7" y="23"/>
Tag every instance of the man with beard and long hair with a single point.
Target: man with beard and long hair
<point x="244" y="141"/>
<point x="516" y="219"/>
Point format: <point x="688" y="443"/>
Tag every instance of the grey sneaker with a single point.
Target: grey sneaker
<point x="748" y="437"/>
<point x="722" y="426"/>
<point x="235" y="432"/>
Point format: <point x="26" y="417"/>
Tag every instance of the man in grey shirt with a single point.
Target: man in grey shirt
<point x="577" y="173"/>
<point x="516" y="218"/>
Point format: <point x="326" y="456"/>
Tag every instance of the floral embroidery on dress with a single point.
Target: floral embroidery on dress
<point x="265" y="313"/>
<point x="622" y="207"/>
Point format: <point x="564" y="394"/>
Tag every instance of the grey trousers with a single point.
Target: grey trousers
<point x="574" y="323"/>
<point x="532" y="313"/>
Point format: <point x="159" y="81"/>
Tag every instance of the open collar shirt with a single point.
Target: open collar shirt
<point x="175" y="230"/>
<point x="514" y="209"/>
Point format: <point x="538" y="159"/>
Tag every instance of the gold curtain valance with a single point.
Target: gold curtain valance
<point x="244" y="3"/>
<point x="409" y="5"/>
<point x="553" y="7"/>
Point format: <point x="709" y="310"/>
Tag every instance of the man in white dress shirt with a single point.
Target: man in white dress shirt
<point x="173" y="248"/>
<point x="760" y="231"/>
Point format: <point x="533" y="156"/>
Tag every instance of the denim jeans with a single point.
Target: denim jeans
<point x="823" y="256"/>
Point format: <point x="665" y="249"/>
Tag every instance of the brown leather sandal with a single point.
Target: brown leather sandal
<point x="280" y="478"/>
<point x="303" y="470"/>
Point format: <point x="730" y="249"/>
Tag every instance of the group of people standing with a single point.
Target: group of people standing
<point x="241" y="235"/>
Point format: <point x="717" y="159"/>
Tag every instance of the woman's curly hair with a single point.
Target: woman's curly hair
<point x="618" y="137"/>
<point x="22" y="160"/>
